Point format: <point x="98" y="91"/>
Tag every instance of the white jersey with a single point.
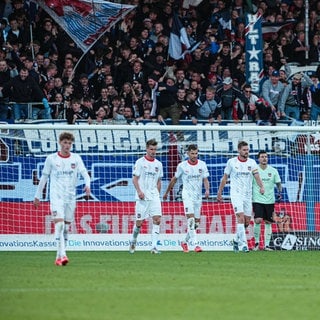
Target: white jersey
<point x="149" y="173"/>
<point x="240" y="173"/>
<point x="192" y="176"/>
<point x="63" y="173"/>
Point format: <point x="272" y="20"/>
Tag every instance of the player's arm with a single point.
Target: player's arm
<point x="279" y="188"/>
<point x="223" y="182"/>
<point x="169" y="188"/>
<point x="258" y="180"/>
<point x="206" y="187"/>
<point x="85" y="175"/>
<point x="135" y="181"/>
<point x="159" y="185"/>
<point x="87" y="179"/>
<point x="41" y="185"/>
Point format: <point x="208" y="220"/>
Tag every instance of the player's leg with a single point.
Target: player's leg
<point x="57" y="211"/>
<point x="197" y="212"/>
<point x="140" y="210"/>
<point x="240" y="239"/>
<point x="155" y="233"/>
<point x="155" y="211"/>
<point x="258" y="218"/>
<point x="69" y="210"/>
<point x="190" y="236"/>
<point x="269" y="210"/>
<point x="58" y="236"/>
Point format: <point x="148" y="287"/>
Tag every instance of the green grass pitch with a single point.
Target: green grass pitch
<point x="173" y="285"/>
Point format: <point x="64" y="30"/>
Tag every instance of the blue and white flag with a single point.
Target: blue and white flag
<point x="254" y="51"/>
<point x="85" y="21"/>
<point x="179" y="43"/>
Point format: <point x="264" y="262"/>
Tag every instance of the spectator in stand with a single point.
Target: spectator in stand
<point x="100" y="116"/>
<point x="208" y="108"/>
<point x="136" y="72"/>
<point x="189" y="107"/>
<point x="167" y="106"/>
<point x="226" y="94"/>
<point x="299" y="48"/>
<point x="23" y="90"/>
<point x="146" y="43"/>
<point x="68" y="95"/>
<point x="48" y="90"/>
<point x="58" y="86"/>
<point x="5" y="76"/>
<point x="199" y="62"/>
<point x="30" y="65"/>
<point x="58" y="108"/>
<point x="88" y="104"/>
<point x="77" y="112"/>
<point x="15" y="34"/>
<point x="291" y="102"/>
<point x="127" y="92"/>
<point x="272" y="90"/>
<point x="103" y="99"/>
<point x="315" y="97"/>
<point x="181" y="81"/>
<point x="84" y="89"/>
<point x="225" y="55"/>
<point x="242" y="111"/>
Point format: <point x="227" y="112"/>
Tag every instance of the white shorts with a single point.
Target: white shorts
<point x="148" y="208"/>
<point x="242" y="205"/>
<point x="192" y="206"/>
<point x="62" y="210"/>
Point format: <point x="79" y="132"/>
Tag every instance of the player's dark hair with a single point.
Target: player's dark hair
<point x="262" y="152"/>
<point x="151" y="142"/>
<point x="66" y="136"/>
<point x="242" y="144"/>
<point x="192" y="147"/>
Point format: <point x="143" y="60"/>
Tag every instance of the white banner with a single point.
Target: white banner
<point x="111" y="242"/>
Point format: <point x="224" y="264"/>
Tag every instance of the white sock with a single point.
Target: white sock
<point x="66" y="234"/>
<point x="135" y="233"/>
<point x="241" y="233"/>
<point x="155" y="235"/>
<point x="191" y="230"/>
<point x="58" y="235"/>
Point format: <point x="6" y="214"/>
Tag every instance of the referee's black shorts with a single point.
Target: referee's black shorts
<point x="264" y="211"/>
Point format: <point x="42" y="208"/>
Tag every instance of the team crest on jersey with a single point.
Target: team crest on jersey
<point x="54" y="213"/>
<point x="200" y="170"/>
<point x="269" y="174"/>
<point x="73" y="165"/>
<point x="249" y="168"/>
<point x="156" y="169"/>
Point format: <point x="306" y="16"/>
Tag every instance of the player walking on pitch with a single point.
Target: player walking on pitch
<point x="194" y="173"/>
<point x="240" y="169"/>
<point x="62" y="168"/>
<point x="147" y="174"/>
<point x="263" y="204"/>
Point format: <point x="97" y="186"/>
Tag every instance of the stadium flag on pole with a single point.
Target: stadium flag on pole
<point x="85" y="21"/>
<point x="268" y="28"/>
<point x="254" y="51"/>
<point x="179" y="44"/>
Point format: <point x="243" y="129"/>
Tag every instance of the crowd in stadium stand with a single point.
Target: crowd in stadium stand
<point x="128" y="74"/>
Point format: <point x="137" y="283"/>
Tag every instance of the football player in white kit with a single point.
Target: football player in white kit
<point x="240" y="170"/>
<point x="147" y="175"/>
<point x="62" y="168"/>
<point x="194" y="173"/>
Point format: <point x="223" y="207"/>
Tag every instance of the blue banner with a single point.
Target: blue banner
<point x="254" y="51"/>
